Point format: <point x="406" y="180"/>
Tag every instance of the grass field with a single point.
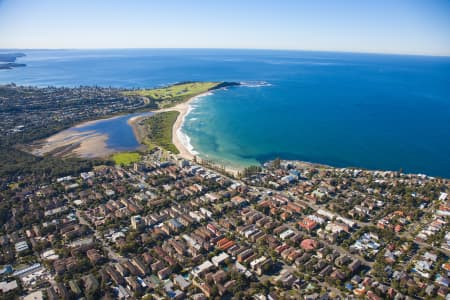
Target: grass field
<point x="158" y="130"/>
<point x="126" y="158"/>
<point x="174" y="94"/>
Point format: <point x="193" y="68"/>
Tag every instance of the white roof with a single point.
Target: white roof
<point x="34" y="296"/>
<point x="8" y="286"/>
<point x="257" y="261"/>
<point x="220" y="258"/>
<point x="286" y="233"/>
<point x="202" y="268"/>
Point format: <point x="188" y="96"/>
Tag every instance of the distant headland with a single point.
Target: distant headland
<point x="8" y="60"/>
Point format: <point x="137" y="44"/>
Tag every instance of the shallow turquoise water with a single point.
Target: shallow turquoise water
<point x="243" y="126"/>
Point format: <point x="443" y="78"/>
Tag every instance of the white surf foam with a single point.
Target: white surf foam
<point x="186" y="141"/>
<point x="255" y="84"/>
<point x="183" y="137"/>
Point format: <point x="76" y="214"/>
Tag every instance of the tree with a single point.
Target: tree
<point x="276" y="163"/>
<point x="251" y="170"/>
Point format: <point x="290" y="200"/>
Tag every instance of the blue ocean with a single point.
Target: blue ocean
<point x="343" y="109"/>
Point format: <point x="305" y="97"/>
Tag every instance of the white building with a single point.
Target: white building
<point x="203" y="268"/>
<point x="219" y="259"/>
<point x="21" y="246"/>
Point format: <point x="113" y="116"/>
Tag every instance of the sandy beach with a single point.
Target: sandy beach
<point x="183" y="109"/>
<point x="178" y="139"/>
<point x="177" y="135"/>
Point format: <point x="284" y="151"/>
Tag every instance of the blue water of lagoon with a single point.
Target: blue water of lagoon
<point x="120" y="134"/>
<point x="342" y="109"/>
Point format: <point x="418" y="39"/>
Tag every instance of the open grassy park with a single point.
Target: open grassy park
<point x="125" y="158"/>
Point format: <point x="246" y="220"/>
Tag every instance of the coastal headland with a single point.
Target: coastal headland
<point x="8" y="60"/>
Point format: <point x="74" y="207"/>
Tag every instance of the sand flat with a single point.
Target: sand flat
<point x="89" y="144"/>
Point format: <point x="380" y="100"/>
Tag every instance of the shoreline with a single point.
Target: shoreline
<point x="183" y="109"/>
<point x="93" y="145"/>
<point x="133" y="122"/>
<point x="177" y="135"/>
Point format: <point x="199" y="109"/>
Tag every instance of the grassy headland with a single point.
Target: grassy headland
<point x="172" y="95"/>
<point x="8" y="60"/>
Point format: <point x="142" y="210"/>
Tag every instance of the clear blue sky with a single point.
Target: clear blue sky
<point x="387" y="26"/>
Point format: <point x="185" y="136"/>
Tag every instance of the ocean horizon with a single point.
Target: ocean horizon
<point x="374" y="111"/>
